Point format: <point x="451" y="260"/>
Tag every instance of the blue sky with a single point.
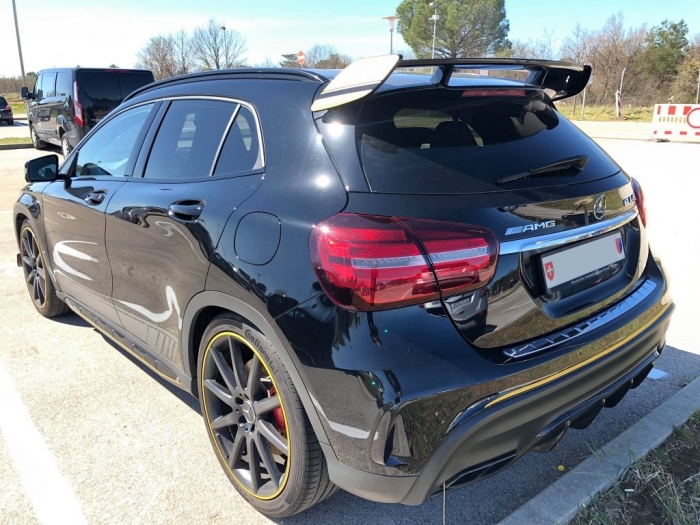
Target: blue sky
<point x="98" y="33"/>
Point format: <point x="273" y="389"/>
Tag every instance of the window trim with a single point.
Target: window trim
<point x="166" y="104"/>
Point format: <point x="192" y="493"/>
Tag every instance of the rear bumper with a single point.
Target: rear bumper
<point x="495" y="431"/>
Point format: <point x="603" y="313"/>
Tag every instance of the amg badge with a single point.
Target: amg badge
<point x="530" y="227"/>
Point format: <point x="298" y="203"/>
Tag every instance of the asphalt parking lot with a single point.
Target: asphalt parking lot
<point x="87" y="435"/>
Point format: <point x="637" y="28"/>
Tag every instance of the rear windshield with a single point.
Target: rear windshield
<point x="463" y="140"/>
<point x="3" y="102"/>
<point x="110" y="86"/>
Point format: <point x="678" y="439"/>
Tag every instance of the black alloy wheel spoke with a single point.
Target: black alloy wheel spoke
<point x="269" y="432"/>
<point x="229" y="420"/>
<point x="237" y="364"/>
<point x="27" y="260"/>
<point x="236" y="450"/>
<point x="219" y="391"/>
<point x="268" y="460"/>
<point x="253" y="464"/>
<point x="266" y="405"/>
<point x="227" y="374"/>
<point x="27" y="246"/>
<point x="253" y="387"/>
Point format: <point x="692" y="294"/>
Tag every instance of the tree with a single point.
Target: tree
<point x="158" y="56"/>
<point x="465" y="28"/>
<point x="216" y="47"/>
<point x="325" y="56"/>
<point x="667" y="47"/>
<point x="289" y="60"/>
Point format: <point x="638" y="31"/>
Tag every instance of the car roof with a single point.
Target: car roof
<point x="91" y="69"/>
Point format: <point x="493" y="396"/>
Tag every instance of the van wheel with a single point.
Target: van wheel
<point x="65" y="145"/>
<point x="256" y="422"/>
<point x="36" y="141"/>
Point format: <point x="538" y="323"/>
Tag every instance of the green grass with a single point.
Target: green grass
<point x="18" y="108"/>
<point x="606" y="113"/>
<point x="15" y="140"/>
<point x="662" y="488"/>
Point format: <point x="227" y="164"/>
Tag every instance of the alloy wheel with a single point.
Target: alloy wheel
<point x="34" y="270"/>
<point x="245" y="415"/>
<point x="65" y="146"/>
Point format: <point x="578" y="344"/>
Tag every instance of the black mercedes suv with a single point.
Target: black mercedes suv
<point x="382" y="280"/>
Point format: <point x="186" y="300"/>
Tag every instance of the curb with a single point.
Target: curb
<point x="15" y="146"/>
<point x="561" y="501"/>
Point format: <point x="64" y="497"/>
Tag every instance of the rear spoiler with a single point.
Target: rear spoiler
<point x="363" y="77"/>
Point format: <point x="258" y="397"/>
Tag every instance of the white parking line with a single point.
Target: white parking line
<point x="51" y="495"/>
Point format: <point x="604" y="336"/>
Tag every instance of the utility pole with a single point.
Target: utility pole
<point x="697" y="93"/>
<point x="19" y="44"/>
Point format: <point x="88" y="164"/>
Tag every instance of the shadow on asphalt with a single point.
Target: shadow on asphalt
<point x="75" y="320"/>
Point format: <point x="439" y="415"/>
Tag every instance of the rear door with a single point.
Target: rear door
<point x="74" y="211"/>
<point x="162" y="229"/>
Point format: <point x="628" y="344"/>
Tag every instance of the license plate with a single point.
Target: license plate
<point x="582" y="262"/>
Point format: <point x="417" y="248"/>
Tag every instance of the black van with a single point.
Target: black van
<point x="67" y="102"/>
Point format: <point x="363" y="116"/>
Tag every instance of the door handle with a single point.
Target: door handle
<point x="188" y="210"/>
<point x="96" y="197"/>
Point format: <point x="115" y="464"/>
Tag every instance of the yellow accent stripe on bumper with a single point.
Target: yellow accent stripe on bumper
<point x="541" y="382"/>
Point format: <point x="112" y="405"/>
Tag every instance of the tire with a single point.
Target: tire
<point x="240" y="417"/>
<point x="39" y="284"/>
<point x="11" y="122"/>
<point x="65" y="145"/>
<point x="36" y="141"/>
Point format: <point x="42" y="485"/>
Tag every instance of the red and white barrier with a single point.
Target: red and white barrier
<point x="676" y="122"/>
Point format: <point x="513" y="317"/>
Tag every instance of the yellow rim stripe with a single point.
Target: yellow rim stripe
<point x="284" y="413"/>
<point x="577" y="366"/>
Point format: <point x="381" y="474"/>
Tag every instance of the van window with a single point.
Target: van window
<point x="63" y="84"/>
<point x="48" y="85"/>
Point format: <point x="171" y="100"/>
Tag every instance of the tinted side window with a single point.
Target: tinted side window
<point x="188" y="139"/>
<point x="107" y="152"/>
<point x="241" y="151"/>
<point x="48" y="85"/>
<point x="63" y="84"/>
<point x="37" y="87"/>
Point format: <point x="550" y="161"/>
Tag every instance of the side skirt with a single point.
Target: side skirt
<point x="135" y="347"/>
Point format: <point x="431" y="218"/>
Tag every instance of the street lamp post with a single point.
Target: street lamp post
<point x="19" y="44"/>
<point x="218" y="66"/>
<point x="434" y="18"/>
<point x="392" y="20"/>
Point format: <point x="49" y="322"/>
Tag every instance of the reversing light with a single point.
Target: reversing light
<point x="368" y="262"/>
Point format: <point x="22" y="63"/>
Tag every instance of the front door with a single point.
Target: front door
<point x="74" y="210"/>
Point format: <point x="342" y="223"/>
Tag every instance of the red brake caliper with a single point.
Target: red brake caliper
<point x="277" y="412"/>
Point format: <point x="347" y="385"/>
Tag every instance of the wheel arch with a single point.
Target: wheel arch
<point x="208" y="304"/>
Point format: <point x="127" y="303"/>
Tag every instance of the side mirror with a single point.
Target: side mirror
<point x="43" y="169"/>
<point x="26" y="95"/>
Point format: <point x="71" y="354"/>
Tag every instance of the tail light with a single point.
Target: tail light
<point x="639" y="197"/>
<point x="8" y="108"/>
<point x="77" y="106"/>
<point x="367" y="262"/>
